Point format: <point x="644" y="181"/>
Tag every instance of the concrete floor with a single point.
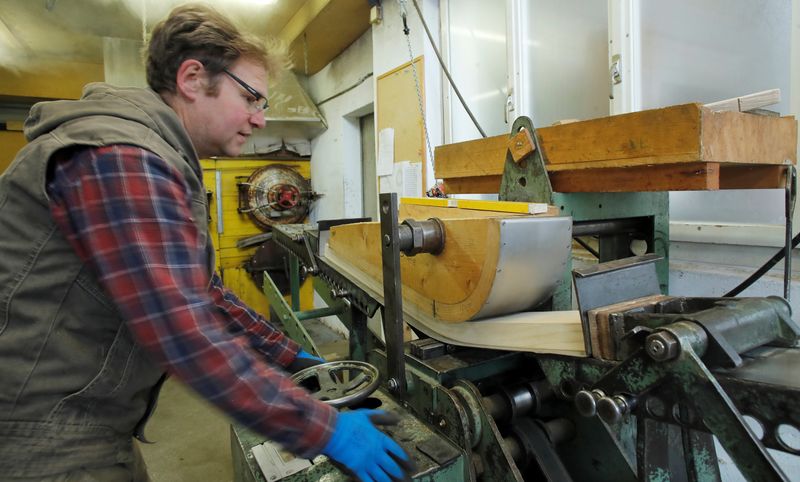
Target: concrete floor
<point x="192" y="438"/>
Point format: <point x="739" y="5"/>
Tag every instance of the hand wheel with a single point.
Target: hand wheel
<point x="339" y="383"/>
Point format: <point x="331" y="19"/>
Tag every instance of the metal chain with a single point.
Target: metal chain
<point x="404" y="13"/>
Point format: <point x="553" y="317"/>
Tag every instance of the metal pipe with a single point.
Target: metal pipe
<point x="613" y="226"/>
<point x="320" y="312"/>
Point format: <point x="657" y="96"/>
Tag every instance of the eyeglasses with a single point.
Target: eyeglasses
<point x="259" y="102"/>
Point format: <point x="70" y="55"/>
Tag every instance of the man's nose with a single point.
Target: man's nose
<point x="257" y="120"/>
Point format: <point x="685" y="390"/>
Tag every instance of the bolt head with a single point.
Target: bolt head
<point x="387" y="240"/>
<point x="611" y="409"/>
<point x="662" y="346"/>
<point x="586" y="403"/>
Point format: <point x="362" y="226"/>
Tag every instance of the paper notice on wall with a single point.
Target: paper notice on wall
<point x="385" y="163"/>
<point x="412" y="179"/>
<point x="406" y="179"/>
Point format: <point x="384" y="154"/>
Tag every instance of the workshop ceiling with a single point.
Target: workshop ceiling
<point x="33" y="32"/>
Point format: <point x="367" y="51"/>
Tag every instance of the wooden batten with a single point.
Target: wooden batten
<point x="683" y="147"/>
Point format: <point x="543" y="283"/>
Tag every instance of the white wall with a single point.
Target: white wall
<point x="336" y="153"/>
<point x="476" y="53"/>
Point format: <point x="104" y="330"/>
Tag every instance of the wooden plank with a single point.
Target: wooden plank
<point x="663" y="136"/>
<point x="473" y="185"/>
<point x="603" y="339"/>
<point x="672" y="135"/>
<point x="752" y="177"/>
<point x="694" y="176"/>
<point x="733" y="137"/>
<point x="521" y="145"/>
<point x="748" y="102"/>
<point x="481" y="157"/>
<point x="557" y="332"/>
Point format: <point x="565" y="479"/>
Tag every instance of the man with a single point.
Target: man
<point x="107" y="279"/>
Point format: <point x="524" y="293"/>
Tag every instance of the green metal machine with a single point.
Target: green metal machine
<point x="676" y="373"/>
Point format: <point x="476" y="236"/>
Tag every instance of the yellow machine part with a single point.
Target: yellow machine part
<point x="220" y="177"/>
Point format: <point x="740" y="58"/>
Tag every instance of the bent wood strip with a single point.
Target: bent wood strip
<point x="558" y="332"/>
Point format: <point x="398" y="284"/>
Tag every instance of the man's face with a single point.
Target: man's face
<point x="228" y="119"/>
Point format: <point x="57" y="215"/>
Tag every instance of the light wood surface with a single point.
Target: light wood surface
<point x="451" y="286"/>
<point x="557" y="332"/>
<point x="644" y="143"/>
<point x="397" y="108"/>
<point x="747" y="102"/>
<point x="466" y="280"/>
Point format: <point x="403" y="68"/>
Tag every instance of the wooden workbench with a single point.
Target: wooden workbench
<point x="677" y="148"/>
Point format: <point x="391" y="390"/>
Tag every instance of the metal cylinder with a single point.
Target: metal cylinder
<point x="517" y="401"/>
<point x="612" y="226"/>
<point x="746" y="323"/>
<point x="416" y="237"/>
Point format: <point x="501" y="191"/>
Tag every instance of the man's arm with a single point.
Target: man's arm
<point x="274" y="344"/>
<point x="126" y="213"/>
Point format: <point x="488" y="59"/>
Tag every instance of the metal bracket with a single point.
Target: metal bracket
<point x="525" y="175"/>
<point x="611" y="282"/>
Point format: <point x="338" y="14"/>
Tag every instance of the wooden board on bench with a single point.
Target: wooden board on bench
<point x="683" y="147"/>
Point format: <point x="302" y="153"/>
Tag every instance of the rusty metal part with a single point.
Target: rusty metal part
<point x="275" y="194"/>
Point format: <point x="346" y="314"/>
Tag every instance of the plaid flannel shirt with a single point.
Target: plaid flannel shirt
<point x="126" y="213"/>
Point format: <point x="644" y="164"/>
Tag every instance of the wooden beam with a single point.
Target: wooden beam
<point x="298" y="23"/>
<point x="56" y="80"/>
<point x="752" y="177"/>
<point x="692" y="176"/>
<point x="684" y="134"/>
<point x="332" y="29"/>
<point x="734" y="137"/>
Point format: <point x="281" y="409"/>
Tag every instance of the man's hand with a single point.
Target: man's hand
<point x="303" y="360"/>
<point x="365" y="451"/>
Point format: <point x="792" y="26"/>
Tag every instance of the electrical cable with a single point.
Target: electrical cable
<point x="762" y="270"/>
<point x="446" y="72"/>
<point x="358" y="82"/>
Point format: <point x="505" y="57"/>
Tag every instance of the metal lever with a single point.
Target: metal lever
<point x="392" y="294"/>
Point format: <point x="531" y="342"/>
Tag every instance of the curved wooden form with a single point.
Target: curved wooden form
<point x="490" y="265"/>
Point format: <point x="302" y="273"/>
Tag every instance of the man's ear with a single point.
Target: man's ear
<point x="191" y="80"/>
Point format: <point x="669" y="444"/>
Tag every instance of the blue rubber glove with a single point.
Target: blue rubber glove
<point x="303" y="360"/>
<point x="304" y="354"/>
<point x="365" y="451"/>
